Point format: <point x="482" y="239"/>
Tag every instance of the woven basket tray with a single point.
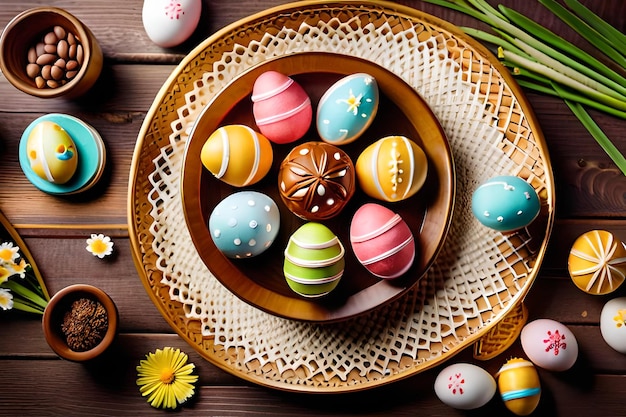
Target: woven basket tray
<point x="480" y="275"/>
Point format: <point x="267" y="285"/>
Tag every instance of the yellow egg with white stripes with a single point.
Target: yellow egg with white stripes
<point x="597" y="262"/>
<point x="237" y="155"/>
<point x="392" y="169"/>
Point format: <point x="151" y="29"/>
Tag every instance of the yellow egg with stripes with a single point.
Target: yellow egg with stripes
<point x="597" y="262"/>
<point x="391" y="169"/>
<point x="519" y="386"/>
<point x="237" y="155"/>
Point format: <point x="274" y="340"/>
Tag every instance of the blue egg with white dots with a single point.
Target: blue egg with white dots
<point x="505" y="203"/>
<point x="347" y="109"/>
<point x="244" y="224"/>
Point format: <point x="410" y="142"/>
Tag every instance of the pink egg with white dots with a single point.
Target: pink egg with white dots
<point x="281" y="108"/>
<point x="244" y="224"/>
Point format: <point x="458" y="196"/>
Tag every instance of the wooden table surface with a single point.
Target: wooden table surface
<point x="590" y="193"/>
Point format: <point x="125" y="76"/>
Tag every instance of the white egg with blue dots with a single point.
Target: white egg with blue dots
<point x="505" y="203"/>
<point x="244" y="224"/>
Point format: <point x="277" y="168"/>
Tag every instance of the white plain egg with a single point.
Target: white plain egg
<point x="613" y="323"/>
<point x="170" y="22"/>
<point x="465" y="386"/>
<point x="549" y="344"/>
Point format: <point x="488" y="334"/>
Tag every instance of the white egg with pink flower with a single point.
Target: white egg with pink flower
<point x="169" y="23"/>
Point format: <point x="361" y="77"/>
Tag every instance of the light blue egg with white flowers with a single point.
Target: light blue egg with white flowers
<point x="244" y="224"/>
<point x="347" y="109"/>
<point x="505" y="203"/>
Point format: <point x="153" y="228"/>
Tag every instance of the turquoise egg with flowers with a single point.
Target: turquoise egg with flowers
<point x="314" y="260"/>
<point x="347" y="109"/>
<point x="505" y="203"/>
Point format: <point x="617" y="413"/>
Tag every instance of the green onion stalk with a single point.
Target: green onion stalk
<point x="544" y="62"/>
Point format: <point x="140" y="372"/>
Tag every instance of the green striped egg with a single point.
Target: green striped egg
<point x="314" y="260"/>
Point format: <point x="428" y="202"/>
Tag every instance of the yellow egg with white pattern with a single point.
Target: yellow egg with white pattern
<point x="597" y="262"/>
<point x="52" y="153"/>
<point x="391" y="169"/>
<point x="237" y="155"/>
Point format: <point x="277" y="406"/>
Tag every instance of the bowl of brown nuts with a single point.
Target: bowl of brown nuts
<point x="80" y="322"/>
<point x="47" y="52"/>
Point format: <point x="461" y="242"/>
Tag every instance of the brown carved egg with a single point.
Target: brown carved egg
<point x="316" y="180"/>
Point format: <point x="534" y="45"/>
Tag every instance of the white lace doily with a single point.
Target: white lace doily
<point x="479" y="275"/>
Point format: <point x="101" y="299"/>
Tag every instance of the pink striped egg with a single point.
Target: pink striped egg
<point x="281" y="108"/>
<point x="382" y="241"/>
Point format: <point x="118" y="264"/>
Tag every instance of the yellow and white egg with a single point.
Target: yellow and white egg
<point x="392" y="169"/>
<point x="613" y="324"/>
<point x="237" y="155"/>
<point x="597" y="262"/>
<point x="51" y="152"/>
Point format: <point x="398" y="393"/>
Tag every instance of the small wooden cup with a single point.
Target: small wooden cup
<point x="27" y="29"/>
<point x="61" y="303"/>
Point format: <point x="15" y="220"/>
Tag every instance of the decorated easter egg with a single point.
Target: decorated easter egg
<point x="169" y="23"/>
<point x="597" y="262"/>
<point x="282" y="109"/>
<point x="464" y="386"/>
<point x="613" y="324"/>
<point x="244" y="224"/>
<point x="382" y="241"/>
<point x="519" y="386"/>
<point x="347" y="109"/>
<point x="314" y="260"/>
<point x="549" y="344"/>
<point x="505" y="203"/>
<point x="52" y="154"/>
<point x="237" y="155"/>
<point x="392" y="169"/>
<point x="316" y="180"/>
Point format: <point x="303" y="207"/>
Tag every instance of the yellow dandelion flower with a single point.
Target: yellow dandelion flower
<point x="100" y="245"/>
<point x="166" y="378"/>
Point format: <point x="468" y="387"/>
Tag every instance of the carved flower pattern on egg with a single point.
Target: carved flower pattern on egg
<point x="316" y="180"/>
<point x="620" y="318"/>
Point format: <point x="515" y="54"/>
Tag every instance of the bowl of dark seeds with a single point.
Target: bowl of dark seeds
<point x="80" y="322"/>
<point x="47" y="52"/>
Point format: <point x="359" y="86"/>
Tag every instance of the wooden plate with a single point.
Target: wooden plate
<point x="260" y="280"/>
<point x="476" y="280"/>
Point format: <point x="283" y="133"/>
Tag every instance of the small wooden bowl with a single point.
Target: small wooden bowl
<point x="27" y="29"/>
<point x="61" y="303"/>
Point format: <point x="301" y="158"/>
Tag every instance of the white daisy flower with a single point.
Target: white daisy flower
<point x="100" y="245"/>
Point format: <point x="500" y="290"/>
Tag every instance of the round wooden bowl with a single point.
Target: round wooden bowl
<point x="259" y="280"/>
<point x="61" y="303"/>
<point x="27" y="29"/>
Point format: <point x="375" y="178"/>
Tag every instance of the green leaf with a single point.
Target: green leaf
<point x="614" y="36"/>
<point x="597" y="133"/>
<point x="586" y="31"/>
